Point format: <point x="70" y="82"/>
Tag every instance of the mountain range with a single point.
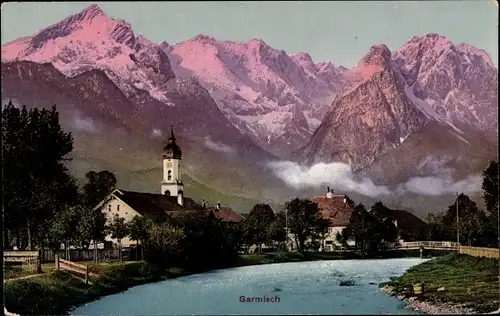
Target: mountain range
<point x="426" y="110"/>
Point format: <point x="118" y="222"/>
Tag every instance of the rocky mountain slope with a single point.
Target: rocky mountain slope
<point x="431" y="99"/>
<point x="112" y="132"/>
<point x="275" y="98"/>
<point x="92" y="42"/>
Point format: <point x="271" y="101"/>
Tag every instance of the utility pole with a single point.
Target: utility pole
<point x="458" y="229"/>
<point x="286" y="229"/>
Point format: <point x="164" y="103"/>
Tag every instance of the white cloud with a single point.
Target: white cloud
<point x="438" y="186"/>
<point x="338" y="175"/>
<point x="218" y="146"/>
<point x="341" y="177"/>
<point x="156" y="132"/>
<point x="85" y="124"/>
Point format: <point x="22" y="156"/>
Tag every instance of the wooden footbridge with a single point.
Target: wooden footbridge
<point x="428" y="245"/>
<point x="445" y="246"/>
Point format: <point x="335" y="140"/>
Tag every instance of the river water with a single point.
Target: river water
<point x="296" y="288"/>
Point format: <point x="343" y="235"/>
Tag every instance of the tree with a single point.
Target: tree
<point x="165" y="243"/>
<point x="389" y="231"/>
<point x="119" y="230"/>
<point x="139" y="228"/>
<point x="277" y="231"/>
<point x="435" y="229"/>
<point x="472" y="221"/>
<point x="320" y="231"/>
<point x="63" y="228"/>
<point x="98" y="186"/>
<point x="37" y="185"/>
<point x="258" y="223"/>
<point x="83" y="235"/>
<point x="303" y="217"/>
<point x="93" y="226"/>
<point x="365" y="229"/>
<point x="490" y="196"/>
<point x="209" y="242"/>
<point x="341" y="238"/>
<point x="490" y="187"/>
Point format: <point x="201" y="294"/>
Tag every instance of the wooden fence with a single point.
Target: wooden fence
<point x="30" y="260"/>
<point x="82" y="269"/>
<point x="84" y="255"/>
<point x="480" y="252"/>
<point x="437" y="245"/>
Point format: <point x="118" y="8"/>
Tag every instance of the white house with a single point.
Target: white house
<point x="336" y="209"/>
<point x="170" y="203"/>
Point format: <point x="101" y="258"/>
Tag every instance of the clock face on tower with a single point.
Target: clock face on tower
<point x="169" y="164"/>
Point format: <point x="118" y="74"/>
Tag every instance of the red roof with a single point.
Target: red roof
<point x="159" y="204"/>
<point x="335" y="209"/>
<point x="226" y="214"/>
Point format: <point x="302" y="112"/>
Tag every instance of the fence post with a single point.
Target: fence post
<point x="39" y="261"/>
<point x="86" y="275"/>
<point x="57" y="261"/>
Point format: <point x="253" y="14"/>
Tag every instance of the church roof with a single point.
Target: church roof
<point x="336" y="209"/>
<point x="160" y="205"/>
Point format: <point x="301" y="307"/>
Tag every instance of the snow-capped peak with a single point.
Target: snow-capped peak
<point x="92" y="40"/>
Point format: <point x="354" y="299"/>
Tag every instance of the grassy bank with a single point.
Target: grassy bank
<point x="458" y="279"/>
<point x="54" y="293"/>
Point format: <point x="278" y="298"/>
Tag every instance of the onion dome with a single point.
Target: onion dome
<point x="171" y="150"/>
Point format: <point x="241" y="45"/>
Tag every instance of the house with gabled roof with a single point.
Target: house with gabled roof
<point x="337" y="209"/>
<point x="166" y="205"/>
<point x="406" y="222"/>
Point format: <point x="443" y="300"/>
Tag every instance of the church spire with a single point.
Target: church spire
<point x="172" y="150"/>
<point x="172" y="137"/>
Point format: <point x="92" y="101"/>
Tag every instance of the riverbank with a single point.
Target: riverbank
<point x="453" y="284"/>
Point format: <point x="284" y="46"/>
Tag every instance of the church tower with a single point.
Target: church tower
<point x="172" y="182"/>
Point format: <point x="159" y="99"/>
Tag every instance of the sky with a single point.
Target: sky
<point x="341" y="32"/>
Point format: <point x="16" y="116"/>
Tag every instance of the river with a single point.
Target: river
<point x="290" y="288"/>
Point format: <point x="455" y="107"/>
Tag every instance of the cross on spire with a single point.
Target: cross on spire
<point x="172" y="137"/>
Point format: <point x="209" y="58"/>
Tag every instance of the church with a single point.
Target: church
<point x="170" y="202"/>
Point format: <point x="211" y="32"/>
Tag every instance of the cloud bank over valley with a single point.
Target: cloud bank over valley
<point x="340" y="176"/>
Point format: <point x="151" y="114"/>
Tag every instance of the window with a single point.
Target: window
<point x="167" y="192"/>
<point x="169" y="175"/>
<point x="118" y="208"/>
<point x="109" y="208"/>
